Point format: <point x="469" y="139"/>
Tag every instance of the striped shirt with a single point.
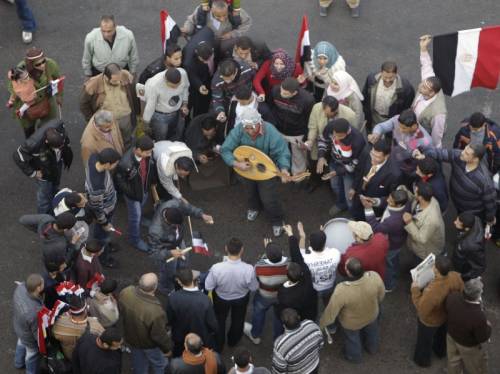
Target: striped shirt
<point x="297" y="351"/>
<point x="271" y="276"/>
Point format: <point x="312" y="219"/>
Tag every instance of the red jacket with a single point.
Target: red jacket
<point x="264" y="73"/>
<point x="371" y="254"/>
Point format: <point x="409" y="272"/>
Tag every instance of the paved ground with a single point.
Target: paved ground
<point x="387" y="29"/>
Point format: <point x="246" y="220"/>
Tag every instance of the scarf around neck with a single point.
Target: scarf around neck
<point x="207" y="358"/>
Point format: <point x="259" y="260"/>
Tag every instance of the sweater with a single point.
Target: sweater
<point x="88" y="358"/>
<point x="390" y="224"/>
<point x="86" y="266"/>
<point x="264" y="74"/>
<point x="430" y="302"/>
<point x="101" y="191"/>
<point x="25" y="309"/>
<point x="271" y="276"/>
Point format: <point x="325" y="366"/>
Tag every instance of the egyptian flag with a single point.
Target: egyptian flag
<point x="170" y="32"/>
<point x="303" y="51"/>
<point x="56" y="86"/>
<point x="467" y="58"/>
<point x="199" y="245"/>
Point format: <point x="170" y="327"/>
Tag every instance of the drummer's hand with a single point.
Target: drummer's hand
<point x="300" y="228"/>
<point x="366" y="202"/>
<point x="350" y="194"/>
<point x="242" y="165"/>
<point x="288" y="230"/>
<point x="321" y="165"/>
<point x="407" y="218"/>
<point x="285" y="176"/>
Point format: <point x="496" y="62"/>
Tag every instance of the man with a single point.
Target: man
<point x="468" y="330"/>
<point x="271" y="270"/>
<point x="229" y="76"/>
<point x="231" y="282"/>
<point x="477" y="129"/>
<point x="102" y="131"/>
<point x="431" y="311"/>
<point x="243" y="363"/>
<point x="171" y="58"/>
<point x="376" y="176"/>
<point x="471" y="186"/>
<point x="166" y="238"/>
<point x="167" y="96"/>
<point x="202" y="138"/>
<point x="355" y="303"/>
<point x="297" y="350"/>
<point x="112" y="90"/>
<point x="189" y="310"/>
<point x="56" y="272"/>
<point x="135" y="176"/>
<point x="369" y="248"/>
<point x="291" y="106"/>
<point x="259" y="134"/>
<point x="42" y="157"/>
<point x="429" y="171"/>
<point x="70" y="326"/>
<point x="145" y="326"/>
<point x="392" y="225"/>
<point x="196" y="358"/>
<point x="429" y="104"/>
<point x="103" y="304"/>
<point x="98" y="354"/>
<point x="344" y="145"/>
<point x="87" y="264"/>
<point x="26" y="303"/>
<point x="386" y="95"/>
<point x="425" y="225"/>
<point x="101" y="191"/>
<point x="469" y="256"/>
<point x="407" y="135"/>
<point x="109" y="43"/>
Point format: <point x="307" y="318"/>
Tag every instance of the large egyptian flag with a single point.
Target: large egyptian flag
<point x="467" y="58"/>
<point x="169" y="30"/>
<point x="303" y="51"/>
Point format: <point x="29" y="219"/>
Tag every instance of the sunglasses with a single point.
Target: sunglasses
<point x="42" y="62"/>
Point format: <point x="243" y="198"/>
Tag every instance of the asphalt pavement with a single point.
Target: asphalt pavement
<point x="387" y="29"/>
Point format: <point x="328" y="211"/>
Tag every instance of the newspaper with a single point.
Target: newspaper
<point x="423" y="273"/>
<point x="140" y="91"/>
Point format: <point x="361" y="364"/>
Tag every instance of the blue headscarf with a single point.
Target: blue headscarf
<point x="326" y="49"/>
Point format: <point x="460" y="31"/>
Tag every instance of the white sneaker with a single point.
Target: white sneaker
<point x="10" y="1"/>
<point x="247" y="330"/>
<point x="252" y="215"/>
<point x="27" y="37"/>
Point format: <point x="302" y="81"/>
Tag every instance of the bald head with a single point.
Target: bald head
<point x="148" y="282"/>
<point x="34" y="283"/>
<point x="193" y="343"/>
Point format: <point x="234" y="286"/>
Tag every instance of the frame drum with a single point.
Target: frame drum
<point x="338" y="234"/>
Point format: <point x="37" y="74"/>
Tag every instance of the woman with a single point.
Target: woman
<point x="42" y="70"/>
<point x="344" y="88"/>
<point x="274" y="71"/>
<point x="324" y="57"/>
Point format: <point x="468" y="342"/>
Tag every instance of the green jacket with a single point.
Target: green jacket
<point x="271" y="143"/>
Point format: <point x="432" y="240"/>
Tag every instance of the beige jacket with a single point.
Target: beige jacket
<point x="93" y="141"/>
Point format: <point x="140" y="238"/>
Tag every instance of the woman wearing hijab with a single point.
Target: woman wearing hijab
<point x="42" y="108"/>
<point x="344" y="88"/>
<point x="274" y="71"/>
<point x="324" y="58"/>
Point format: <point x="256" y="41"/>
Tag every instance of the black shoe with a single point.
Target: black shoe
<point x="110" y="263"/>
<point x="114" y="247"/>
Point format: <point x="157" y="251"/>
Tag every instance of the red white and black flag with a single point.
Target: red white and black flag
<point x="303" y="51"/>
<point x="170" y="32"/>
<point x="467" y="58"/>
<point x="199" y="245"/>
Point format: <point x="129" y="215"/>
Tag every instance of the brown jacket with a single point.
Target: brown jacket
<point x="93" y="141"/>
<point x="430" y="302"/>
<point x="93" y="94"/>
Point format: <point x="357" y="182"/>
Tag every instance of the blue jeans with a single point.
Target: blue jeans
<point x="355" y="340"/>
<point x="391" y="268"/>
<point x="341" y="184"/>
<point x="143" y="359"/>
<point x="164" y="125"/>
<point x="166" y="282"/>
<point x="104" y="238"/>
<point x="26" y="357"/>
<point x="261" y="305"/>
<point x="25" y="15"/>
<point x="44" y="196"/>
<point x="134" y="210"/>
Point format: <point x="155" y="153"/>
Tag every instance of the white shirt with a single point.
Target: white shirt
<point x="240" y="108"/>
<point x="383" y="97"/>
<point x="323" y="267"/>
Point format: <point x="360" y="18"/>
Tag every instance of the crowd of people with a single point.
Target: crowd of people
<point x="379" y="148"/>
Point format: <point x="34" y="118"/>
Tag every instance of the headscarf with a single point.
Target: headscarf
<point x="32" y="55"/>
<point x="347" y="85"/>
<point x="328" y="50"/>
<point x="287" y="60"/>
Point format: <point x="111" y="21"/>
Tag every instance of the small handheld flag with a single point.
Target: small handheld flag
<point x="169" y="30"/>
<point x="303" y="51"/>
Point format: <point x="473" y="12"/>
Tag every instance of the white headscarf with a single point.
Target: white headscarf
<point x="347" y="85"/>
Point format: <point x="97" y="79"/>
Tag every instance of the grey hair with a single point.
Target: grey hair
<point x="473" y="289"/>
<point x="219" y="4"/>
<point x="103" y="117"/>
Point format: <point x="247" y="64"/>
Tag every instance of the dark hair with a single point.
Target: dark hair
<point x="243" y="92"/>
<point x="108" y="156"/>
<point x="468" y="219"/>
<point x="208" y="123"/>
<point x="111" y="69"/>
<point x="111" y="335"/>
<point x="173" y="215"/>
<point x="54" y="262"/>
<point x="16" y="73"/>
<point x="331" y="102"/>
<point x="242" y="357"/>
<point x="407" y="118"/>
<point x="77" y="304"/>
<point x="244" y="42"/>
<point x="479" y="150"/>
<point x="108" y="286"/>
<point x="428" y="166"/>
<point x="340" y="125"/>
<point x="389" y="67"/>
<point x="204" y="50"/>
<point x="72" y="199"/>
<point x="144" y="143"/>
<point x="234" y="246"/>
<point x="317" y="241"/>
<point x="290" y="84"/>
<point x="290" y="318"/>
<point x="65" y="221"/>
<point x="93" y="246"/>
<point x="108" y="18"/>
<point x="171" y="48"/>
<point x="294" y="272"/>
<point x="184" y="163"/>
<point x="477" y="120"/>
<point x="400" y="197"/>
<point x="443" y="264"/>
<point x="173" y="75"/>
<point x="274" y="253"/>
<point x="355" y="267"/>
<point x="425" y="190"/>
<point x="228" y="67"/>
<point x="54" y="138"/>
<point x="184" y="275"/>
<point x="383" y="146"/>
<point x="435" y="84"/>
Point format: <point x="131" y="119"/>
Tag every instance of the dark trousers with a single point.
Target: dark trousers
<point x="429" y="339"/>
<point x="238" y="309"/>
<point x="264" y="194"/>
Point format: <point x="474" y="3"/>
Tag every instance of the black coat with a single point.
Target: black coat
<point x="195" y="139"/>
<point x="128" y="177"/>
<point x="469" y="257"/>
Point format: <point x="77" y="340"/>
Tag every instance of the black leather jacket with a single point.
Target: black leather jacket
<point x="469" y="256"/>
<point x="128" y="177"/>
